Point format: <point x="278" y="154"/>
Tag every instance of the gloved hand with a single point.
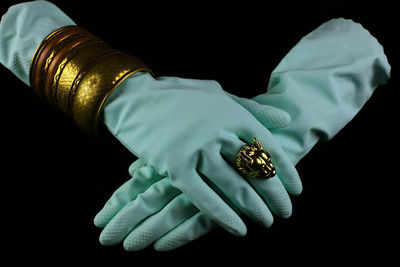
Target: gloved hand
<point x="148" y="192"/>
<point x="322" y="82"/>
<point x="162" y="125"/>
<point x="191" y="131"/>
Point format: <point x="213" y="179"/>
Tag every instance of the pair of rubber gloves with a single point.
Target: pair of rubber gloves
<point x="321" y="84"/>
<point x="186" y="133"/>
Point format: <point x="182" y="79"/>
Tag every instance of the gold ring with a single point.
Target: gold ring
<point x="253" y="161"/>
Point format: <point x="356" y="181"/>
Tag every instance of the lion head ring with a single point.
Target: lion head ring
<point x="253" y="161"/>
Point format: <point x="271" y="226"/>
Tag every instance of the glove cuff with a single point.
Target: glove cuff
<point x="76" y="71"/>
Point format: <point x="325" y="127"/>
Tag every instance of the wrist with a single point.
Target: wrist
<point x="76" y="71"/>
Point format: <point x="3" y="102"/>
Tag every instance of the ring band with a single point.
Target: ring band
<point x="253" y="161"/>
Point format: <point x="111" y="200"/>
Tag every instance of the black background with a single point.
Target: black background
<point x="55" y="178"/>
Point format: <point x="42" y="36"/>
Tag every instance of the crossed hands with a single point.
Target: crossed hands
<point x="187" y="133"/>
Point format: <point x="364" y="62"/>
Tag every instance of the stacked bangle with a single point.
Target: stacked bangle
<point x="76" y="71"/>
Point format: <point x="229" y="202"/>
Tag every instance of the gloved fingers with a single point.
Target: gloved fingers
<point x="191" y="229"/>
<point x="271" y="190"/>
<point x="145" y="204"/>
<point x="269" y="116"/>
<point x="209" y="202"/>
<point x="274" y="194"/>
<point x="142" y="179"/>
<point x="284" y="167"/>
<point x="174" y="213"/>
<point x="236" y="189"/>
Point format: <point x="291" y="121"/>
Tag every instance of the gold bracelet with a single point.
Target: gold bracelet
<point x="76" y="71"/>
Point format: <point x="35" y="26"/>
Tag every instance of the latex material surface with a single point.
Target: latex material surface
<point x="340" y="57"/>
<point x="125" y="202"/>
<point x="25" y="25"/>
<point x="191" y="131"/>
<point x="322" y="82"/>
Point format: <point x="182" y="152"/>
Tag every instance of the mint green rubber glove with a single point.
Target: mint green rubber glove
<point x="148" y="192"/>
<point x="191" y="131"/>
<point x="25" y="25"/>
<point x="322" y="82"/>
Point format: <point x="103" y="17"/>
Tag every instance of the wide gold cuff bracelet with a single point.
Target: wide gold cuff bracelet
<point x="76" y="71"/>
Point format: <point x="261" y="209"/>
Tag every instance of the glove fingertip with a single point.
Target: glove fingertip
<point x="108" y="238"/>
<point x="296" y="189"/>
<point x="136" y="165"/>
<point x="158" y="247"/>
<point x="240" y="229"/>
<point x="284" y="119"/>
<point x="99" y="221"/>
<point x="234" y="225"/>
<point x="285" y="211"/>
<point x="271" y="117"/>
<point x="290" y="179"/>
<point x="267" y="223"/>
<point x="103" y="217"/>
<point x="166" y="245"/>
<point x="276" y="118"/>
